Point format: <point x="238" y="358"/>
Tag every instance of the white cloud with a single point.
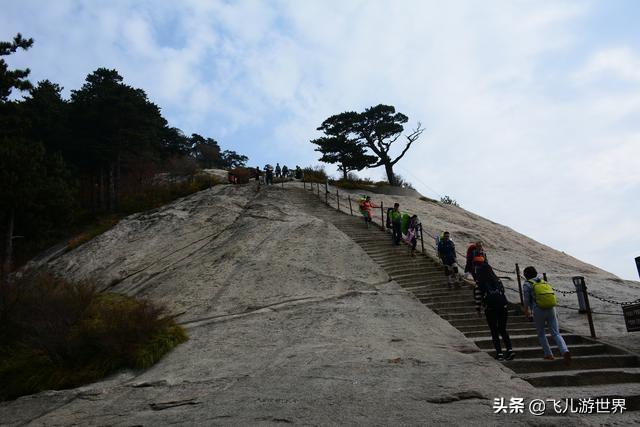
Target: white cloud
<point x="619" y="62"/>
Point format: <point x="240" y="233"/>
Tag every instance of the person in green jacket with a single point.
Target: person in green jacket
<point x="396" y="223"/>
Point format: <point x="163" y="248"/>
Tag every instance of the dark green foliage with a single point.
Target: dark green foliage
<point x="231" y="160"/>
<point x="377" y="128"/>
<point x="56" y="334"/>
<point x="348" y="153"/>
<point x="13" y="79"/>
<point x="206" y="151"/>
<point x="315" y="174"/>
<point x="446" y="200"/>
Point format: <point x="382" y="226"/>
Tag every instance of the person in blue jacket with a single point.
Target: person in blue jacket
<point x="447" y="253"/>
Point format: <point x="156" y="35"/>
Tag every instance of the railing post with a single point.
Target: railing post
<point x="338" y="198"/>
<point x="589" y="317"/>
<point x="421" y="239"/>
<point x="318" y="184"/>
<point x="519" y="284"/>
<point x="382" y="213"/>
<point x="304" y="185"/>
<point x="350" y="208"/>
<point x="581" y="288"/>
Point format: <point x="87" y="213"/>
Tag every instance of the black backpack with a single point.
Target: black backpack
<point x="494" y="297"/>
<point x="389" y="217"/>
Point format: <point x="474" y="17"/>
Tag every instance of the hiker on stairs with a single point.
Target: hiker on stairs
<point x="412" y="233"/>
<point x="366" y="206"/>
<point x="396" y="223"/>
<point x="476" y="258"/>
<point x="489" y="293"/>
<point x="540" y="300"/>
<point x="447" y="253"/>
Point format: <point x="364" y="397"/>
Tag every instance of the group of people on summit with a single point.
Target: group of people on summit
<point x="266" y="175"/>
<point x="488" y="290"/>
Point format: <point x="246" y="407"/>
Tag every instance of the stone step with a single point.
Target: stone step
<point x="400" y="257"/>
<point x="477" y="320"/>
<point x="407" y="277"/>
<point x="458" y="300"/>
<point x="576" y="350"/>
<point x="482" y="326"/>
<point x="435" y="291"/>
<point x="532" y="341"/>
<point x="409" y="262"/>
<point x="403" y="271"/>
<point x="597" y="361"/>
<point x="466" y="306"/>
<point x="579" y="378"/>
<point x="511" y="331"/>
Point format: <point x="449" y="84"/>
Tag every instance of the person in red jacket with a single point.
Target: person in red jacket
<point x="365" y="208"/>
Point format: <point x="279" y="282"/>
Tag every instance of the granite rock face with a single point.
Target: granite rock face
<point x="289" y="322"/>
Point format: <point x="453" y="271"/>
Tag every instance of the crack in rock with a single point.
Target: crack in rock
<point x="173" y="403"/>
<point x="456" y="397"/>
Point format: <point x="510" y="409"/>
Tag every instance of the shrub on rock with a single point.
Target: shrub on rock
<point x="55" y="334"/>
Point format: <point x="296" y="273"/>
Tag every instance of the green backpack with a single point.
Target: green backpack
<point x="543" y="293"/>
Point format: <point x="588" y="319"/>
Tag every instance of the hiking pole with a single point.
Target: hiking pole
<point x="350" y="208"/>
<point x="519" y="284"/>
<point x="421" y="240"/>
<point x="338" y="198"/>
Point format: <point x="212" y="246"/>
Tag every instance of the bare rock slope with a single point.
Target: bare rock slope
<point x="289" y="322"/>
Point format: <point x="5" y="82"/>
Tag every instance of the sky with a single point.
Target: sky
<point x="531" y="109"/>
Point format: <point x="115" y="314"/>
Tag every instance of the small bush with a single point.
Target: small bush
<point x="243" y="174"/>
<point x="446" y="200"/>
<point x="55" y="335"/>
<point x="315" y="174"/>
<point x="156" y="195"/>
<point x="360" y="184"/>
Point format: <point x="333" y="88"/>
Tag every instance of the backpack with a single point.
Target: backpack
<point x="543" y="294"/>
<point x="494" y="297"/>
<point x="389" y="217"/>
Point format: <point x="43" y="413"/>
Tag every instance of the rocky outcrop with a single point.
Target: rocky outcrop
<point x="290" y="321"/>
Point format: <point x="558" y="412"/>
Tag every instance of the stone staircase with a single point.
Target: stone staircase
<point x="597" y="369"/>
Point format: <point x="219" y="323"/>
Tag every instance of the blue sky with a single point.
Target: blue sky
<point x="531" y="108"/>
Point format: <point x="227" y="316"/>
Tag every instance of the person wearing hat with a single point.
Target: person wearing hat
<point x="542" y="317"/>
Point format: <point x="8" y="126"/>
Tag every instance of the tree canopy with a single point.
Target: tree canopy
<point x="349" y="134"/>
